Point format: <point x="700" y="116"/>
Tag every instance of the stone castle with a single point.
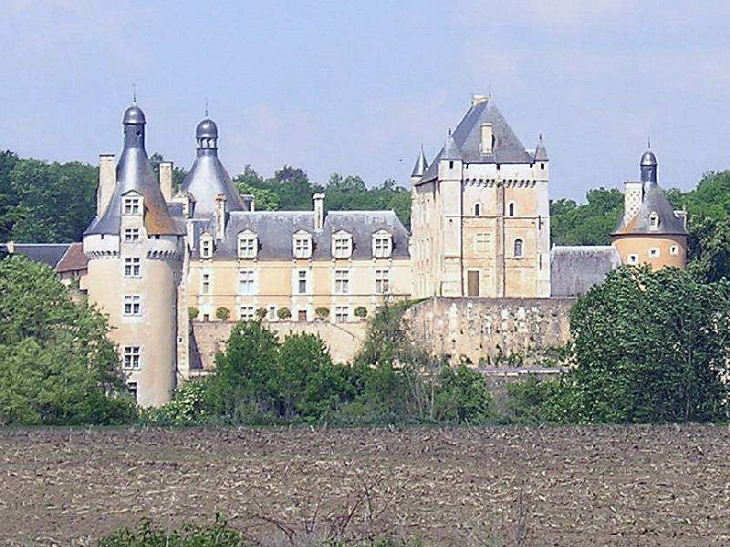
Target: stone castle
<point x="174" y="270"/>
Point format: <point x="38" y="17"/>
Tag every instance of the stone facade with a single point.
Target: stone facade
<point x="482" y="331"/>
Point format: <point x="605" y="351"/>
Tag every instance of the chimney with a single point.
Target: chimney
<point x="633" y="198"/>
<point x="487" y="139"/>
<point x="220" y="216"/>
<point x="248" y="202"/>
<point x="107" y="181"/>
<point x="166" y="180"/>
<point x="318" y="211"/>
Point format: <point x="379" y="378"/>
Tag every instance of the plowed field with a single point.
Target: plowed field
<point x="494" y="486"/>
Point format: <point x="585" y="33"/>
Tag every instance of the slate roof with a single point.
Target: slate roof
<point x="135" y="173"/>
<point x="47" y="253"/>
<point x="574" y="270"/>
<point x="421" y="164"/>
<point x="73" y="260"/>
<point x="655" y="201"/>
<point x="275" y="229"/>
<point x="467" y="136"/>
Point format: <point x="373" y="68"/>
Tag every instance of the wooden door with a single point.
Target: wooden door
<point x="472" y="284"/>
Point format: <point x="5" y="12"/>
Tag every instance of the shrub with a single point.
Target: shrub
<point x="283" y="313"/>
<point x="186" y="407"/>
<point x="261" y="313"/>
<point x="361" y="311"/>
<point x="218" y="534"/>
<point x="322" y="312"/>
<point x="462" y="396"/>
<point x="193" y="313"/>
<point x="223" y="313"/>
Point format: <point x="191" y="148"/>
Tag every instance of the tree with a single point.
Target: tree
<point x="588" y="224"/>
<point x="56" y="364"/>
<point x="649" y="347"/>
<point x="178" y="174"/>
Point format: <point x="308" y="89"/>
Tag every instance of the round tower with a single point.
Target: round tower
<point x="133" y="246"/>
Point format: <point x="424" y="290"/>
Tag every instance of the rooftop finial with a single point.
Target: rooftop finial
<point x="206" y="108"/>
<point x="648" y="141"/>
<point x="134" y="94"/>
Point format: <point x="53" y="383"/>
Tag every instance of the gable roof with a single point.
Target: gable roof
<point x="574" y="270"/>
<point x="467" y="138"/>
<point x="46" y="253"/>
<point x="274" y="230"/>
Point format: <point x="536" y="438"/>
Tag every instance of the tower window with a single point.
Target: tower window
<point x="132" y="358"/>
<point x="674" y="250"/>
<point x="131" y="235"/>
<point x="477" y="209"/>
<point x="132" y="305"/>
<point x="205" y="285"/>
<point x="511" y="209"/>
<point x="654" y="252"/>
<point x="302" y="282"/>
<point x="132" y="267"/>
<point x="206" y="247"/>
<point x="518" y="248"/>
<point x="451" y="164"/>
<point x="132" y="205"/>
<point x="632" y="259"/>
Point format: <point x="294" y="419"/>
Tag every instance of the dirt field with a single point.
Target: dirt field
<point x="495" y="486"/>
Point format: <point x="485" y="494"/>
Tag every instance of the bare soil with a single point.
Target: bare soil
<point x="636" y="485"/>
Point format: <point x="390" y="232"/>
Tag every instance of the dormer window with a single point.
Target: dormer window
<point x="132" y="205"/>
<point x="341" y="245"/>
<point x="654" y="221"/>
<point x="206" y="246"/>
<point x="382" y="244"/>
<point x="302" y="244"/>
<point x="247" y="244"/>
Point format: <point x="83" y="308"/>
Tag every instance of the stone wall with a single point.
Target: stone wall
<point x="342" y="339"/>
<point x="477" y="330"/>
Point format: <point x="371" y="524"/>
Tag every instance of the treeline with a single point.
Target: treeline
<point x="43" y="202"/>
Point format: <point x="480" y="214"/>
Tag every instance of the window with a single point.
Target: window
<point x="342" y="246"/>
<point x="511" y="209"/>
<point x="654" y="221"/>
<point x="477" y="209"/>
<point x="247" y="245"/>
<point x="246" y="313"/>
<point x="132" y="358"/>
<point x="132" y="305"/>
<point x="342" y="314"/>
<point x="302" y="282"/>
<point x="131" y="234"/>
<point x="132" y="206"/>
<point x="132" y="388"/>
<point x="302" y="246"/>
<point x="206" y="247"/>
<point x="342" y="281"/>
<point x="674" y="250"/>
<point x="382" y="281"/>
<point x="272" y="313"/>
<point x="518" y="248"/>
<point x="654" y="252"/>
<point x="246" y="282"/>
<point x="632" y="259"/>
<point x="205" y="284"/>
<point x="132" y="267"/>
<point x="382" y="245"/>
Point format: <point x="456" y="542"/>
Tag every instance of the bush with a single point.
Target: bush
<point x="218" y="534"/>
<point x="223" y="313"/>
<point x="361" y="312"/>
<point x="530" y="400"/>
<point x="322" y="312"/>
<point x="462" y="396"/>
<point x="186" y="407"/>
<point x="193" y="313"/>
<point x="283" y="313"/>
<point x="261" y="313"/>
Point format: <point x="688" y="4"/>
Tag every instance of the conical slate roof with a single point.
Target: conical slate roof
<point x="421" y="164"/>
<point x="208" y="178"/>
<point x="655" y="201"/>
<point x="135" y="174"/>
<point x="540" y="152"/>
<point x="467" y="139"/>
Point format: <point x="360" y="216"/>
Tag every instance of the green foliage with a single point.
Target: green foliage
<point x="533" y="400"/>
<point x="649" y="347"/>
<point x="361" y="311"/>
<point x="462" y="396"/>
<point x="261" y="313"/>
<point x="188" y="406"/>
<point x="193" y="313"/>
<point x="218" y="534"/>
<point x="283" y="313"/>
<point x="222" y="313"/>
<point x="588" y="224"/>
<point x="56" y="364"/>
<point x="178" y="175"/>
<point x="322" y="312"/>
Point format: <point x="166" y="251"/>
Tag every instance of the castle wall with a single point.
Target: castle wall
<point x="478" y="330"/>
<point x="343" y="339"/>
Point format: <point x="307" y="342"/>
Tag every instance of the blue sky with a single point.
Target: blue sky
<point x="354" y="87"/>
